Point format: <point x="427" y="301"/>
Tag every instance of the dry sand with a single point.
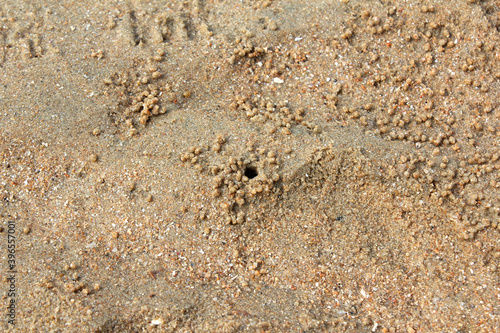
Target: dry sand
<point x="250" y="166"/>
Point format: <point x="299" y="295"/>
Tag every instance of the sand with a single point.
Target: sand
<point x="250" y="166"/>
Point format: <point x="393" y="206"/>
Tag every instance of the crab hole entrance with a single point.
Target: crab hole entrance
<point x="251" y="172"/>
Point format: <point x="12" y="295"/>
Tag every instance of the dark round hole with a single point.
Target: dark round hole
<point x="251" y="172"/>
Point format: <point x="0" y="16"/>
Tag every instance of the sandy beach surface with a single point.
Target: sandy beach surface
<point x="250" y="166"/>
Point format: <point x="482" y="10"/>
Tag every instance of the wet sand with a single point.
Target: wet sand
<point x="250" y="166"/>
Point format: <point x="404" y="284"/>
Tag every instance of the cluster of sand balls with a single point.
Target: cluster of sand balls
<point x="278" y="115"/>
<point x="240" y="179"/>
<point x="246" y="49"/>
<point x="143" y="94"/>
<point x="455" y="184"/>
<point x="435" y="103"/>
